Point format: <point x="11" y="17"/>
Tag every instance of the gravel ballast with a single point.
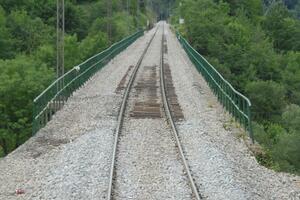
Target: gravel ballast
<point x="148" y="165"/>
<point x="221" y="163"/>
<point x="70" y="157"/>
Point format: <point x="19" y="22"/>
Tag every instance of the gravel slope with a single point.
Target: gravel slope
<point x="69" y="158"/>
<point x="221" y="163"/>
<point x="148" y="164"/>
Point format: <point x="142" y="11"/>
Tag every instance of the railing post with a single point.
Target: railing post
<point x="250" y="124"/>
<point x="33" y="119"/>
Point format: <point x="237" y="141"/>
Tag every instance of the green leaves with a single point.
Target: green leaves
<point x="21" y="80"/>
<point x="268" y="99"/>
<point x="6" y="45"/>
<point x="291" y="76"/>
<point x="291" y="118"/>
<point x="76" y="52"/>
<point x="259" y="55"/>
<point x="287" y="152"/>
<point x="72" y="52"/>
<point x="28" y="33"/>
<point x="92" y="44"/>
<point x="282" y="28"/>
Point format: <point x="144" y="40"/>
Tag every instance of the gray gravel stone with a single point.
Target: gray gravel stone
<point x="148" y="164"/>
<point x="70" y="157"/>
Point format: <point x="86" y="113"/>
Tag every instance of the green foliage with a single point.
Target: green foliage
<point x="264" y="155"/>
<point x="75" y="20"/>
<point x="28" y="33"/>
<point x="251" y="8"/>
<point x="291" y="76"/>
<point x="6" y="48"/>
<point x="281" y="149"/>
<point x="267" y="98"/>
<point x="259" y="133"/>
<point x="287" y="152"/>
<point x="46" y="54"/>
<point x="21" y="79"/>
<point x="282" y="28"/>
<point x="296" y="11"/>
<point x="10" y="5"/>
<point x="290" y="3"/>
<point x="120" y="26"/>
<point x="291" y="118"/>
<point x="98" y="25"/>
<point x="44" y="9"/>
<point x="97" y="11"/>
<point x="269" y="135"/>
<point x="234" y="42"/>
<point x="93" y="43"/>
<point x="72" y="52"/>
<point x="259" y="54"/>
<point x="28" y="51"/>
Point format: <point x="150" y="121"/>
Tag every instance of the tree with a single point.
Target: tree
<point x="93" y="44"/>
<point x="21" y="80"/>
<point x="28" y="33"/>
<point x="282" y="28"/>
<point x="6" y="41"/>
<point x="287" y="152"/>
<point x="291" y="118"/>
<point x="46" y="54"/>
<point x="259" y="55"/>
<point x="97" y="11"/>
<point x="296" y="11"/>
<point x="267" y="98"/>
<point x="13" y="4"/>
<point x="44" y="9"/>
<point x="268" y="135"/>
<point x="291" y="76"/>
<point x="75" y="20"/>
<point x="290" y="3"/>
<point x="251" y="8"/>
<point x="72" y="52"/>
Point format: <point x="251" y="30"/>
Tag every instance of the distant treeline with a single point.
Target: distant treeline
<point x="292" y="5"/>
<point x="258" y="51"/>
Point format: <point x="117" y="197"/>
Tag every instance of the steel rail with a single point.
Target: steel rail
<point x="121" y="116"/>
<point x="172" y="123"/>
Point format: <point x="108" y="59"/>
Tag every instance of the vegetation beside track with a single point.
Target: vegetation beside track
<point x="256" y="46"/>
<point x="28" y="50"/>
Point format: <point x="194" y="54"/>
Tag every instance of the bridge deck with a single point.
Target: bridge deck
<point x="70" y="157"/>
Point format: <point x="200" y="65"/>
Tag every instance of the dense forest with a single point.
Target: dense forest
<point x="256" y="46"/>
<point x="28" y="50"/>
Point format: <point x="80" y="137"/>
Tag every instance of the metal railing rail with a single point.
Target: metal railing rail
<point x="51" y="99"/>
<point x="233" y="101"/>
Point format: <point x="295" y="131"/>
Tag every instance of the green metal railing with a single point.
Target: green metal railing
<point x="52" y="99"/>
<point x="235" y="103"/>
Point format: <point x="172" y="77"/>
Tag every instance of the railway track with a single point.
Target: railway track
<point x="152" y="101"/>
